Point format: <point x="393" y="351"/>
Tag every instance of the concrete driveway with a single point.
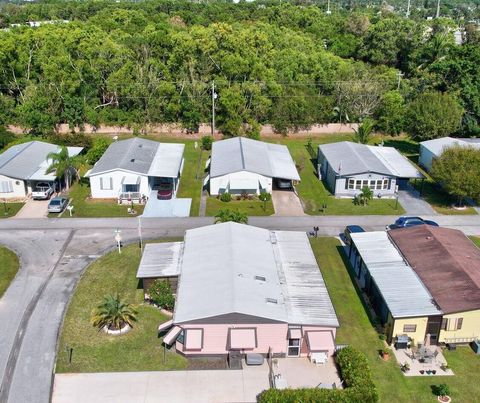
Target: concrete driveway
<point x="207" y="386"/>
<point x="286" y="203"/>
<point x="34" y="209"/>
<point x="413" y="203"/>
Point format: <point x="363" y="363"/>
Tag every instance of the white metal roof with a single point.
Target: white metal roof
<point x="29" y="160"/>
<point x="141" y="156"/>
<point x="402" y="290"/>
<point x="160" y="260"/>
<point x="234" y="268"/>
<point x="347" y="158"/>
<point x="243" y="154"/>
<point x="437" y="146"/>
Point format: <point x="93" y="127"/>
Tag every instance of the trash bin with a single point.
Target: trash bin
<point x="451" y="346"/>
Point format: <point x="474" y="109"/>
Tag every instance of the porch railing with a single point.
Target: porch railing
<point x="459" y="340"/>
<point x="129" y="196"/>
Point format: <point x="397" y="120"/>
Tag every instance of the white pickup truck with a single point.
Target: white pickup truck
<point x="42" y="191"/>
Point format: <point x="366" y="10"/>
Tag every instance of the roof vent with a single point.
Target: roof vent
<point x="260" y="278"/>
<point x="132" y="160"/>
<point x="271" y="301"/>
<point x="140" y="145"/>
<point x="273" y="237"/>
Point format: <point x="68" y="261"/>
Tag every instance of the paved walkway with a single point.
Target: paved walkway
<point x="413" y="203"/>
<point x="33" y="209"/>
<point x="203" y="203"/>
<point x="287" y="203"/>
<point x="208" y="386"/>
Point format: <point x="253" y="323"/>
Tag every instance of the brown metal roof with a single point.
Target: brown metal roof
<point x="447" y="262"/>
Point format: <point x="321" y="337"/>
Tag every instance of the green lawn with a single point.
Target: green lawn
<point x="8" y="268"/>
<point x="476" y="240"/>
<point x="249" y="207"/>
<point x="440" y="200"/>
<point x="94" y="351"/>
<point x="314" y="193"/>
<point x="191" y="181"/>
<point x="84" y="207"/>
<point x="9" y="209"/>
<point x="357" y="330"/>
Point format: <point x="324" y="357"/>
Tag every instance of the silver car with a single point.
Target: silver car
<point x="57" y="204"/>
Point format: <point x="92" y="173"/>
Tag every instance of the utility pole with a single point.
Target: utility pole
<point x="214" y="97"/>
<point x="399" y="75"/>
<point x="408" y="8"/>
<point x="438" y="9"/>
<point x="328" y="7"/>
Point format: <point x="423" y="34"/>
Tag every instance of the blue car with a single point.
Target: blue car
<point x="351" y="229"/>
<point x="405" y="222"/>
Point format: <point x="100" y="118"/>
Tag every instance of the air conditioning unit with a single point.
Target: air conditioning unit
<point x="476" y="346"/>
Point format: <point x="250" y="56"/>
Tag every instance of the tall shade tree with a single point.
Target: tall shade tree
<point x="432" y="115"/>
<point x="458" y="171"/>
<point x="391" y="113"/>
<point x="113" y="313"/>
<point x="64" y="165"/>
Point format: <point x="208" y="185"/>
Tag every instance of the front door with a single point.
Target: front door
<point x="433" y="328"/>
<point x="293" y="347"/>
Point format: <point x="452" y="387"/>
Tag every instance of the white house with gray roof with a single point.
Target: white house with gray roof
<point x="431" y="149"/>
<point x="136" y="168"/>
<point x="247" y="290"/>
<point x="241" y="165"/>
<point x="347" y="167"/>
<point x="24" y="166"/>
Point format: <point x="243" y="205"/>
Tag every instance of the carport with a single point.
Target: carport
<point x="166" y="208"/>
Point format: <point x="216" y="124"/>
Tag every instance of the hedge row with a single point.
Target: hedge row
<point x="358" y="384"/>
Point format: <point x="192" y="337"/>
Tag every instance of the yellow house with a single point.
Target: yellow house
<point x="448" y="264"/>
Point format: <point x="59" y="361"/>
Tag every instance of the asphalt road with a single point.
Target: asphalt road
<point x="53" y="254"/>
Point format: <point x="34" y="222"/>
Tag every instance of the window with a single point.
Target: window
<point x="106" y="183"/>
<point x="6" y="187"/>
<point x="444" y="324"/>
<point x="351" y="183"/>
<point x="386" y="184"/>
<point x="459" y="323"/>
<point x="373" y="184"/>
<point x="409" y="328"/>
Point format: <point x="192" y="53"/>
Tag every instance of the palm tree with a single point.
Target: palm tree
<point x="113" y="313"/>
<point x="226" y="215"/>
<point x="362" y="134"/>
<point x="365" y="195"/>
<point x="64" y="165"/>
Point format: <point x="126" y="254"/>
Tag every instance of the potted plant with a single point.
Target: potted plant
<point x="405" y="367"/>
<point x="385" y="354"/>
<point x="442" y="392"/>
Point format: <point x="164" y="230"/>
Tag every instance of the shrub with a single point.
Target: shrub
<point x="207" y="142"/>
<point x="99" y="146"/>
<point x="226" y="197"/>
<point x="356" y="374"/>
<point x="442" y="390"/>
<point x="161" y="294"/>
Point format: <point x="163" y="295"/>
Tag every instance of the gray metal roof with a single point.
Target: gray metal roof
<point x="234" y="268"/>
<point x="347" y="158"/>
<point x="243" y="154"/>
<point x="401" y="288"/>
<point x="141" y="156"/>
<point x="437" y="146"/>
<point x="160" y="260"/>
<point x="29" y="160"/>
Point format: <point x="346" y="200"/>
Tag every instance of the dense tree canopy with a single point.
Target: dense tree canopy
<point x="289" y="65"/>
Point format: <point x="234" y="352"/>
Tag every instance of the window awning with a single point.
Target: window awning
<point x="165" y="326"/>
<point x="320" y="341"/>
<point x="172" y="335"/>
<point x="244" y="183"/>
<point x="243" y="339"/>
<point x="294" y="333"/>
<point x="131" y="180"/>
<point x="205" y="181"/>
<point x="193" y="339"/>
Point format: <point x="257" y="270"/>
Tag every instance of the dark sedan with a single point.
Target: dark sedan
<point x="351" y="229"/>
<point x="405" y="222"/>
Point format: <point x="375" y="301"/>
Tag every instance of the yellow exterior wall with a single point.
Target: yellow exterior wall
<point x="418" y="336"/>
<point x="470" y="326"/>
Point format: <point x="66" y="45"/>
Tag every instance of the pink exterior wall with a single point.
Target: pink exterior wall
<point x="215" y="338"/>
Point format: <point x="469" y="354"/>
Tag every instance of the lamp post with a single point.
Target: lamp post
<point x="118" y="239"/>
<point x="396" y="197"/>
<point x="5" y="212"/>
<point x="140" y="240"/>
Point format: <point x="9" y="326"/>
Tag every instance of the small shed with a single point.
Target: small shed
<point x="160" y="261"/>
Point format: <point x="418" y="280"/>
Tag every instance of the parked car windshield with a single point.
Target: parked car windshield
<point x="55" y="203"/>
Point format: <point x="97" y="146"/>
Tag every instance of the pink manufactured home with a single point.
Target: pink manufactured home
<point x="246" y="290"/>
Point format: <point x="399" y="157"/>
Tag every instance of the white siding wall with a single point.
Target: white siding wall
<point x="18" y="187"/>
<point x="425" y="158"/>
<point x="117" y="177"/>
<point x="340" y="190"/>
<point x="219" y="184"/>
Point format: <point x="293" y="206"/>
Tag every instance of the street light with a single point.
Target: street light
<point x="396" y="197"/>
<point x="118" y="239"/>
